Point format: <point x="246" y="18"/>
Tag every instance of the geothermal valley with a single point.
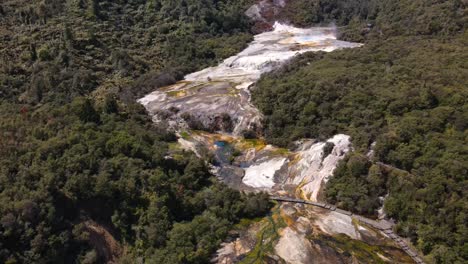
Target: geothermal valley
<point x="217" y="99"/>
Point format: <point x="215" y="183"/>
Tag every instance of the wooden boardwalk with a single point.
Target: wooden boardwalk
<point x="383" y="226"/>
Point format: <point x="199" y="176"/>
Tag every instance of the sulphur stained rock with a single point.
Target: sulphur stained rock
<point x="312" y="168"/>
<point x="222" y="92"/>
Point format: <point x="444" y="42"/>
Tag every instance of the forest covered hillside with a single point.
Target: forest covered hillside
<point x="54" y="50"/>
<point x="85" y="176"/>
<point x="402" y="98"/>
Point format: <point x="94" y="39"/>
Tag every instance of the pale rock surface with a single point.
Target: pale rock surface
<point x="334" y="223"/>
<point x="293" y="247"/>
<point x="229" y="252"/>
<point x="313" y="169"/>
<point x="303" y="225"/>
<point x="262" y="175"/>
<point x="255" y="12"/>
<point x="381" y="211"/>
<point x="224" y="89"/>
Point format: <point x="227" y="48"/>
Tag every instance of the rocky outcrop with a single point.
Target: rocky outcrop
<point x="314" y="166"/>
<point x="264" y="14"/>
<point x="263" y="175"/>
<point x="296" y="234"/>
<point x="293" y="247"/>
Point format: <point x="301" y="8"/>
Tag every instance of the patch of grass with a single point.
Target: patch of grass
<point x="183" y="91"/>
<point x="266" y="238"/>
<point x="177" y="93"/>
<point x="178" y="157"/>
<point x="174" y="146"/>
<point x="245" y="223"/>
<point x="185" y="135"/>
<point x="281" y="152"/>
<point x="258" y="144"/>
<point x="362" y="251"/>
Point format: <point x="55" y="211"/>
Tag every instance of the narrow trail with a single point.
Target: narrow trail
<point x="104" y="242"/>
<point x="383" y="226"/>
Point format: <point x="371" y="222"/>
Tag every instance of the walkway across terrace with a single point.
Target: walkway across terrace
<point x="383" y="226"/>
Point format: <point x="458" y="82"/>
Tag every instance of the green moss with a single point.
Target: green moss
<point x="178" y="157"/>
<point x="281" y="152"/>
<point x="244" y="144"/>
<point x="266" y="238"/>
<point x="185" y="135"/>
<point x="174" y="146"/>
<point x="175" y="93"/>
<point x="362" y="251"/>
<point x="187" y="91"/>
<point x="245" y="223"/>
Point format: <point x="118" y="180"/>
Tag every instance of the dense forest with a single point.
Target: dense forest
<point x="85" y="176"/>
<point x="54" y="50"/>
<point x="402" y="98"/>
<point x="63" y="167"/>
